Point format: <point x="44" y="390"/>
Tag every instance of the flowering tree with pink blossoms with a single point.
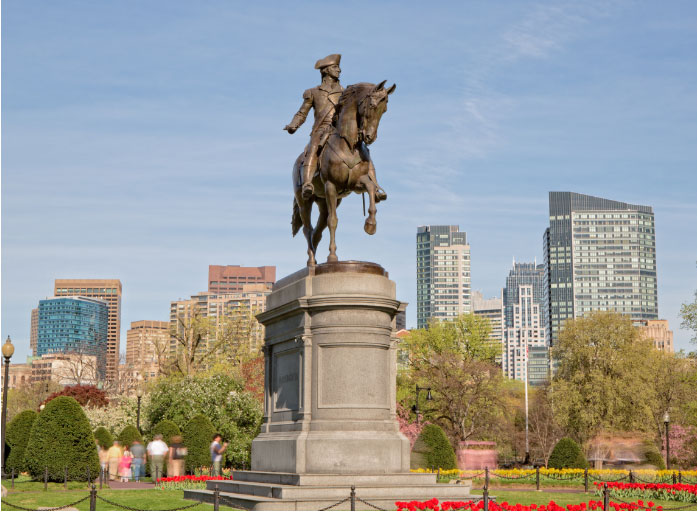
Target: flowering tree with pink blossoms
<point x="411" y="430"/>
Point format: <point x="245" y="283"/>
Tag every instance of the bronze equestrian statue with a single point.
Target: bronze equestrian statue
<point x="336" y="162"/>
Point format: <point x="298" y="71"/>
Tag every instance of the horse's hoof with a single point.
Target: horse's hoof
<point x="370" y="227"/>
<point x="332" y="258"/>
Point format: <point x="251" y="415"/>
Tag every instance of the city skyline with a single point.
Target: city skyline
<point x="135" y="148"/>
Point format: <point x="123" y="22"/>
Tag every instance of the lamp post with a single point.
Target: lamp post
<point x="666" y="434"/>
<point x="415" y="407"/>
<point x="7" y="350"/>
<point x="139" y="395"/>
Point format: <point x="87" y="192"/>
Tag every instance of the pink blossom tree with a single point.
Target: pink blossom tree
<point x="411" y="430"/>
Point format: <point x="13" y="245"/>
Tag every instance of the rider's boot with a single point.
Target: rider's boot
<point x="307" y="172"/>
<point x="380" y="193"/>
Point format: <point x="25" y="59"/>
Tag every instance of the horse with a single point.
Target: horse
<point x="343" y="166"/>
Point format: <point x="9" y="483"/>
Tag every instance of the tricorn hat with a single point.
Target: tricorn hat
<point x="328" y="61"/>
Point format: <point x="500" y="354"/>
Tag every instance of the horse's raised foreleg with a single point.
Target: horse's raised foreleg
<point x="331" y="199"/>
<point x="370" y="224"/>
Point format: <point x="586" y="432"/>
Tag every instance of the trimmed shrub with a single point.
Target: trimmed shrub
<point x="16" y="438"/>
<point x="198" y="433"/>
<point x="167" y="429"/>
<point x="652" y="455"/>
<point x="128" y="435"/>
<point x="60" y="438"/>
<point x="567" y="454"/>
<point x="104" y="438"/>
<point x="433" y="449"/>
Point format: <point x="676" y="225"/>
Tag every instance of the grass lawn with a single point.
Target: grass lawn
<point x="151" y="499"/>
<point x="561" y="498"/>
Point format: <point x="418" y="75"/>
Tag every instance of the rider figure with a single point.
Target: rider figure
<point x="323" y="100"/>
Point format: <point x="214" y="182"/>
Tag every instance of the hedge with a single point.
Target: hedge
<point x="128" y="435"/>
<point x="167" y="429"/>
<point x="198" y="435"/>
<point x="16" y="438"/>
<point x="60" y="438"/>
<point x="104" y="438"/>
<point x="567" y="454"/>
<point x="433" y="449"/>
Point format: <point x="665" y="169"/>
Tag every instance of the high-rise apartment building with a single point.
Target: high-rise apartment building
<point x="232" y="278"/>
<point x="239" y="307"/>
<point x="147" y="346"/>
<point x="443" y="274"/>
<point x="34" y="332"/>
<point x="104" y="289"/>
<point x="492" y="310"/>
<point x="599" y="255"/>
<point x="658" y="331"/>
<point x="76" y="325"/>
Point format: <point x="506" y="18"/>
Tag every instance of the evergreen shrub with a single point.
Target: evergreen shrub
<point x="433" y="450"/>
<point x="16" y="438"/>
<point x="60" y="438"/>
<point x="128" y="435"/>
<point x="168" y="429"/>
<point x="104" y="438"/>
<point x="198" y="435"/>
<point x="567" y="454"/>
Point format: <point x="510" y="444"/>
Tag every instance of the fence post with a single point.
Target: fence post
<point x="487" y="477"/>
<point x="586" y="479"/>
<point x="485" y="499"/>
<point x="65" y="478"/>
<point x="438" y="475"/>
<point x="101" y="477"/>
<point x="679" y="476"/>
<point x="352" y="496"/>
<point x="605" y="496"/>
<point x="673" y="478"/>
<point x="216" y="497"/>
<point x="538" y="478"/>
<point x="93" y="497"/>
<point x="46" y="478"/>
<point x="631" y="478"/>
<point x="13" y="478"/>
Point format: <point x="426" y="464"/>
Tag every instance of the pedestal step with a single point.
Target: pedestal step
<point x="341" y="480"/>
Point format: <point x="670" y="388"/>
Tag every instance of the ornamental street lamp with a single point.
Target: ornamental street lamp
<point x="666" y="435"/>
<point x="7" y="350"/>
<point x="415" y="407"/>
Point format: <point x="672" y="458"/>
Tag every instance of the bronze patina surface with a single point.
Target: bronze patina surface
<point x="337" y="161"/>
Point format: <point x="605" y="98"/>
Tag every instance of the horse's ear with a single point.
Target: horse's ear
<point x="391" y="89"/>
<point x="380" y="85"/>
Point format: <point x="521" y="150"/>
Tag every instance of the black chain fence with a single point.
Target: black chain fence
<point x="55" y="508"/>
<point x="336" y="504"/>
<point x="522" y="477"/>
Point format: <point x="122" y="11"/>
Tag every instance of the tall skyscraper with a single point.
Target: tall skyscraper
<point x="34" y="332"/>
<point x="599" y="255"/>
<point x="104" y="289"/>
<point x="76" y="325"/>
<point x="147" y="346"/>
<point x="443" y="274"/>
<point x="524" y="353"/>
<point x="231" y="278"/>
<point x="492" y="310"/>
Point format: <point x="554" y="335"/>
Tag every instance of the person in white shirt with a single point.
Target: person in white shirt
<point x="157" y="449"/>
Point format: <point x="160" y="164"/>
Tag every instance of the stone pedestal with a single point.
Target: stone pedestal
<point x="329" y="403"/>
<point x="330" y="374"/>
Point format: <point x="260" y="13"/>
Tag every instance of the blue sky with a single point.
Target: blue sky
<point x="143" y="140"/>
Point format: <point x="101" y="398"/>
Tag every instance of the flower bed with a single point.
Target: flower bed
<point x="677" y="492"/>
<point x="187" y="482"/>
<point x="434" y="504"/>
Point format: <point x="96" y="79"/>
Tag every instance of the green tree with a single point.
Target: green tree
<point x="104" y="438"/>
<point x="61" y="438"/>
<point x="688" y="317"/>
<point x="236" y="414"/>
<point x="601" y="381"/>
<point x="16" y="437"/>
<point x="433" y="450"/>
<point x="29" y="396"/>
<point x="455" y="359"/>
<point x="567" y="454"/>
<point x="128" y="435"/>
<point x="167" y="429"/>
<point x="198" y="433"/>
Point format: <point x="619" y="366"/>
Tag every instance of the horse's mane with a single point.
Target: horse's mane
<point x="351" y="97"/>
<point x="355" y="92"/>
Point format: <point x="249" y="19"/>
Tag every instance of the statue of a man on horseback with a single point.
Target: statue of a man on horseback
<point x="337" y="161"/>
<point x="323" y="100"/>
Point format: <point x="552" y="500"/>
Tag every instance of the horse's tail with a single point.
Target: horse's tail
<point x="296" y="221"/>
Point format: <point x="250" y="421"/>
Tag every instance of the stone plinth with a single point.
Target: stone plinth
<point x="330" y="374"/>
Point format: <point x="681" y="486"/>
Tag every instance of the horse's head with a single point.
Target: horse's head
<point x="371" y="107"/>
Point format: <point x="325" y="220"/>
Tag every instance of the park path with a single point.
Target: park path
<point x="116" y="485"/>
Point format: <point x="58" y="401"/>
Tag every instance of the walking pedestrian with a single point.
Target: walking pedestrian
<point x="217" y="450"/>
<point x="113" y="458"/>
<point x="138" y="462"/>
<point x="175" y="464"/>
<point x="103" y="457"/>
<point x="125" y="466"/>
<point x="157" y="450"/>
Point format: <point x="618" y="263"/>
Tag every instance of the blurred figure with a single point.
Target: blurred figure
<point x="217" y="450"/>
<point x="138" y="462"/>
<point x="103" y="457"/>
<point x="125" y="466"/>
<point x="178" y="452"/>
<point x="157" y="450"/>
<point x="114" y="455"/>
